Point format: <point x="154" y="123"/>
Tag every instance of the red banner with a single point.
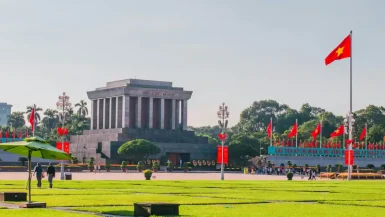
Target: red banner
<point x="225" y="154"/>
<point x="349" y="157"/>
<point x="66" y="146"/>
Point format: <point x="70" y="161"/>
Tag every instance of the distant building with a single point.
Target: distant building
<point x="5" y="111"/>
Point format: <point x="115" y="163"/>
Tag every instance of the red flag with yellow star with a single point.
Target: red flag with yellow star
<point x="338" y="132"/>
<point x="316" y="132"/>
<point x="342" y="51"/>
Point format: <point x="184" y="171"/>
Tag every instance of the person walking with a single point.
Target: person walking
<point x="39" y="174"/>
<point x="50" y="174"/>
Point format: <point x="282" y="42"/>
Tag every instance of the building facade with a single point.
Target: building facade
<point x="5" y="111"/>
<point x="131" y="109"/>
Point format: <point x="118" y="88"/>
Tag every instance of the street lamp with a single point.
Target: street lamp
<point x="63" y="104"/>
<point x="348" y="124"/>
<point x="223" y="115"/>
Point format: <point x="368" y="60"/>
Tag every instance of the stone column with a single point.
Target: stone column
<point x="150" y="112"/>
<point x="177" y="113"/>
<point x="97" y="113"/>
<point x="116" y="112"/>
<point x="104" y="113"/>
<point x="139" y="113"/>
<point x="162" y="113"/>
<point x="126" y="112"/>
<point x="110" y="113"/>
<point x="173" y="114"/>
<point x="184" y="117"/>
<point x="92" y="114"/>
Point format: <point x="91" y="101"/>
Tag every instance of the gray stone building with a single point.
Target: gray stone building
<point x="5" y="111"/>
<point x="130" y="109"/>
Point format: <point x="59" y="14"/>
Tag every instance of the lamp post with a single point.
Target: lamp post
<point x="348" y="123"/>
<point x="62" y="104"/>
<point x="223" y="115"/>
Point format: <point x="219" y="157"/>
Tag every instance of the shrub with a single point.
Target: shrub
<point x="155" y="165"/>
<point x="294" y="166"/>
<point x="147" y="174"/>
<point x="289" y="176"/>
<point x="74" y="160"/>
<point x="186" y="165"/>
<point x="23" y="160"/>
<point x="140" y="166"/>
<point x="306" y="166"/>
<point x="170" y="166"/>
<point x="123" y="165"/>
<point x="383" y="166"/>
<point x="354" y="167"/>
<point x="370" y="166"/>
<point x="108" y="165"/>
<point x="329" y="168"/>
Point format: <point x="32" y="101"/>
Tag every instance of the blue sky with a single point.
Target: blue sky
<point x="232" y="51"/>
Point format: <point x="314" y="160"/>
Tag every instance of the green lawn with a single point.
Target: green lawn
<point x="208" y="198"/>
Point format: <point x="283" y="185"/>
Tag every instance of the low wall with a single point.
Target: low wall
<point x="323" y="161"/>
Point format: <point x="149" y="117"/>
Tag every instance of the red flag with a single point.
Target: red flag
<point x="1" y="134"/>
<point x="269" y="129"/>
<point x="342" y="51"/>
<point x="32" y="119"/>
<point x="20" y="134"/>
<point x="338" y="132"/>
<point x="6" y="134"/>
<point x="363" y="133"/>
<point x="288" y="143"/>
<point x="67" y="148"/>
<point x="348" y="141"/>
<point x="300" y="143"/>
<point x="316" y="132"/>
<point x="293" y="131"/>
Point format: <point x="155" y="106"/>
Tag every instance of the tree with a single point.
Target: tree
<point x="37" y="115"/>
<point x="82" y="108"/>
<point x="50" y="121"/>
<point x="242" y="149"/>
<point x="138" y="149"/>
<point x="16" y="120"/>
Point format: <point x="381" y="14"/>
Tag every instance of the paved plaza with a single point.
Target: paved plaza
<point x="156" y="176"/>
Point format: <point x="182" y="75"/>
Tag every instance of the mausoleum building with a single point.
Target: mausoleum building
<point x="132" y="108"/>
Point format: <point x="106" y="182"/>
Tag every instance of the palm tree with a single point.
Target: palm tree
<point x="37" y="115"/>
<point x="50" y="120"/>
<point x="82" y="110"/>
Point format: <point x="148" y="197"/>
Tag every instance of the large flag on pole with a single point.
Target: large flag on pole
<point x="293" y="131"/>
<point x="338" y="132"/>
<point x="342" y="51"/>
<point x="363" y="133"/>
<point x="32" y="119"/>
<point x="269" y="129"/>
<point x="316" y="132"/>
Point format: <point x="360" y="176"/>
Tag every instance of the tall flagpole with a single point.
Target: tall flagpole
<point x="34" y="118"/>
<point x="366" y="139"/>
<point x="271" y="131"/>
<point x="320" y="137"/>
<point x="296" y="133"/>
<point x="351" y="104"/>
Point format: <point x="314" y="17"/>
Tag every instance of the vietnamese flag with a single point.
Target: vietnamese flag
<point x="6" y="134"/>
<point x="1" y="134"/>
<point x="342" y="51"/>
<point x="316" y="132"/>
<point x="363" y="133"/>
<point x="293" y="131"/>
<point x="32" y="119"/>
<point x="269" y="129"/>
<point x="338" y="132"/>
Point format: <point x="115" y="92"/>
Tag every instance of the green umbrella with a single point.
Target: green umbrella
<point x="34" y="147"/>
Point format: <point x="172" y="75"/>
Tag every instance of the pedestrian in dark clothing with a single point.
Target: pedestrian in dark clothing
<point x="39" y="174"/>
<point x="50" y="174"/>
